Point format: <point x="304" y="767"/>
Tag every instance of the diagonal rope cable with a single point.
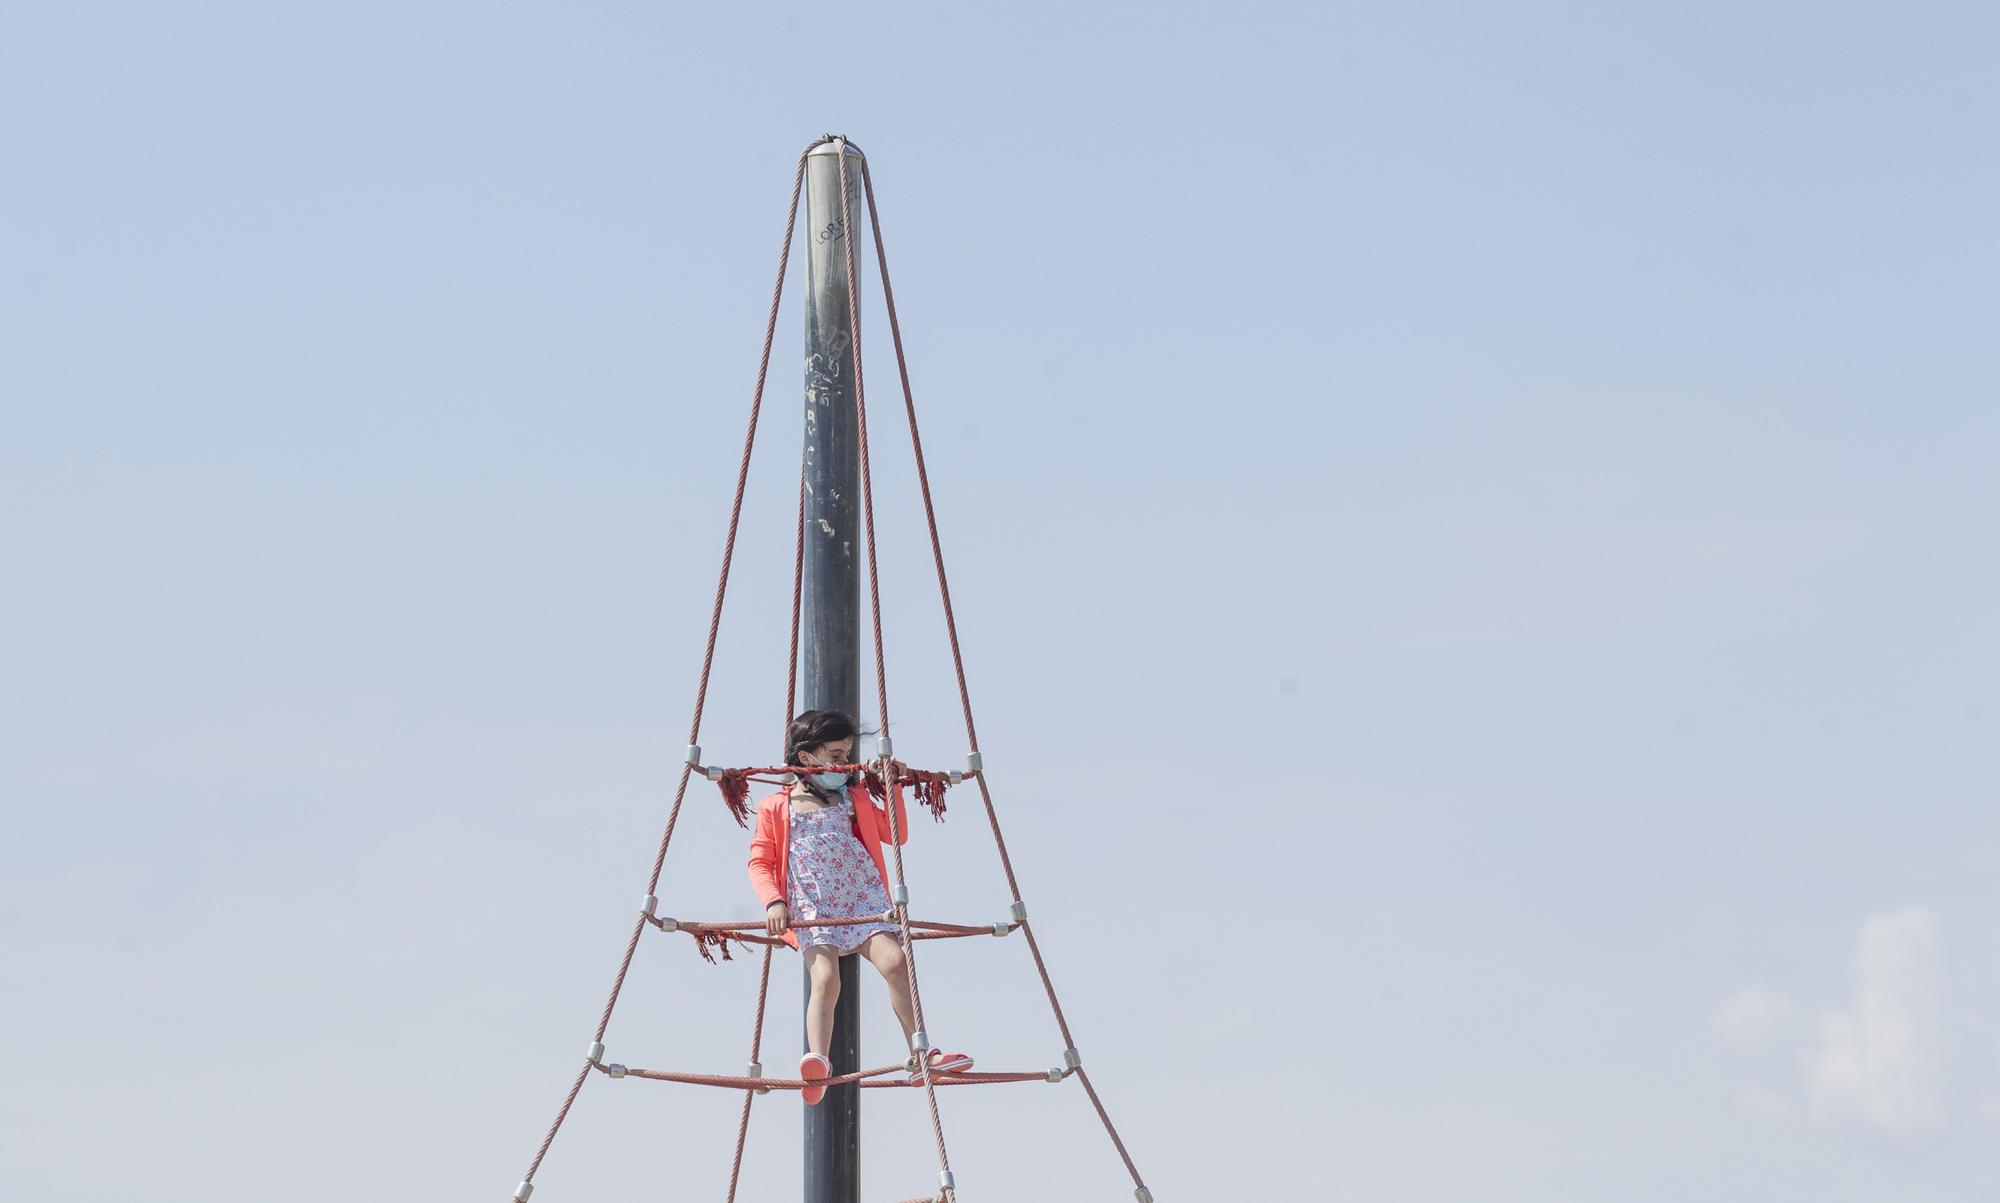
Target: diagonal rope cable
<point x="756" y="1050"/>
<point x="958" y="659"/>
<point x="849" y="236"/>
<point x="923" y="474"/>
<point x="708" y="653"/>
<point x="861" y="436"/>
<point x="798" y="593"/>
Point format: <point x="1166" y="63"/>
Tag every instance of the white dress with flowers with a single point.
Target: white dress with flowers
<point x="831" y="876"/>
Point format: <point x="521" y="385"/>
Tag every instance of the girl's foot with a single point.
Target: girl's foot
<point x="941" y="1063"/>
<point x="813" y="1067"/>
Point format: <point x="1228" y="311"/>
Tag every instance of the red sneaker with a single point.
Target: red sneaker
<point x="943" y="1063"/>
<point x="813" y="1067"/>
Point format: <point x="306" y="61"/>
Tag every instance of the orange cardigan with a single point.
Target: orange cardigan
<point x="770" y="847"/>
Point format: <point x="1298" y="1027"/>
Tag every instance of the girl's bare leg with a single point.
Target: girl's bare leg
<point x="885" y="952"/>
<point x="824" y="969"/>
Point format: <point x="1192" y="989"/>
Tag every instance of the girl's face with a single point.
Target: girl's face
<point x="836" y="751"/>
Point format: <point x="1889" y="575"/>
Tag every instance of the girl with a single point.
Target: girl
<point x="817" y="855"/>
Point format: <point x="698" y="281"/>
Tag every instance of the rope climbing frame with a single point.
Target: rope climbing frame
<point x="883" y="774"/>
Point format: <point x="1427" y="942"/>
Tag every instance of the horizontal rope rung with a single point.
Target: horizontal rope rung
<point x="866" y="1077"/>
<point x="754" y="926"/>
<point x="782" y="770"/>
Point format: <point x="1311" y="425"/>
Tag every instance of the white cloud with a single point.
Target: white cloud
<point x="1877" y="1059"/>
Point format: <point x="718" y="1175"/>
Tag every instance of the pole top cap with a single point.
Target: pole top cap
<point x="826" y="148"/>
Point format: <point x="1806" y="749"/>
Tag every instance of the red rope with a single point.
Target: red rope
<point x="752" y="938"/>
<point x="708" y="652"/>
<point x="798" y="594"/>
<point x="871" y="1078"/>
<point x="756" y="1047"/>
<point x="957" y="656"/>
<point x="928" y="786"/>
<point x="752" y="925"/>
<point x="881" y="662"/>
<point x="904" y="773"/>
<point x="735" y="785"/>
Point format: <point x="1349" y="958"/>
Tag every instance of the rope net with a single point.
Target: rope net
<point x="882" y="776"/>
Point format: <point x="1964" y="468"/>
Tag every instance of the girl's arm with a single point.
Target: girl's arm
<point x="902" y="832"/>
<point x="764" y="861"/>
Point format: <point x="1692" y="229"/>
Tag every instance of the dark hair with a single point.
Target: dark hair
<point x="816" y="727"/>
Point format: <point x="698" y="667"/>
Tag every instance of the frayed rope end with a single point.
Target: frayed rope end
<point x="735" y="786"/>
<point x="929" y="788"/>
<point x="719" y="939"/>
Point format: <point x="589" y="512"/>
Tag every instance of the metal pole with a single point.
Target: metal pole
<point x="830" y="643"/>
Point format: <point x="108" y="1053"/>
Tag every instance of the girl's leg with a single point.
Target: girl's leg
<point x="824" y="969"/>
<point x="885" y="952"/>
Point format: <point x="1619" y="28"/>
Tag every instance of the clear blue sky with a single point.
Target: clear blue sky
<point x="1473" y="531"/>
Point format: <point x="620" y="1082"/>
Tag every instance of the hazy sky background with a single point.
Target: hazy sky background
<point x="1472" y="529"/>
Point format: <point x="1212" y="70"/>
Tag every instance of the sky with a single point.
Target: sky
<point x="1471" y="527"/>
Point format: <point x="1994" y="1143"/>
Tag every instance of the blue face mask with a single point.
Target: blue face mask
<point x="830" y="780"/>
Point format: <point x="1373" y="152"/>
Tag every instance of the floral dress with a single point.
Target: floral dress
<point x="831" y="876"/>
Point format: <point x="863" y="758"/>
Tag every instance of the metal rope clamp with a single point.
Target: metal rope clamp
<point x="756" y="1070"/>
<point x="522" y="1192"/>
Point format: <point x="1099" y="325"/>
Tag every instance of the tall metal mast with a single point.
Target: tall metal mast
<point x="830" y="651"/>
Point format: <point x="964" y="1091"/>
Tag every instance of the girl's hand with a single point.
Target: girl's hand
<point x="777" y="917"/>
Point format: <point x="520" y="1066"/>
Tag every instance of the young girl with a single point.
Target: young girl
<point x="817" y="855"/>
